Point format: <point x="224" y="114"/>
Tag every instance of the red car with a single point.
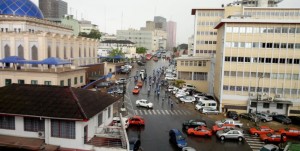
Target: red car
<point x="219" y="127"/>
<point x="140" y="84"/>
<point x="272" y="138"/>
<point x="136" y="120"/>
<point x="260" y="130"/>
<point x="136" y="90"/>
<point x="155" y="59"/>
<point x="199" y="131"/>
<point x="293" y="132"/>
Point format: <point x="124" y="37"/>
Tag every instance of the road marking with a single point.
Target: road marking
<point x="167" y="112"/>
<point x="154" y="112"/>
<point x="162" y="111"/>
<point x="179" y="112"/>
<point x="145" y="112"/>
<point x="175" y="112"/>
<point x="135" y="112"/>
<point x="158" y="112"/>
<point x="141" y="113"/>
<point x="150" y="113"/>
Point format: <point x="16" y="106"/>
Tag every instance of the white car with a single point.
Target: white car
<point x="209" y="110"/>
<point x="117" y="122"/>
<point x="144" y="103"/>
<point x="189" y="87"/>
<point x="175" y="90"/>
<point x="170" y="78"/>
<point x="142" y="71"/>
<point x="187" y="99"/>
<point x="170" y="88"/>
<point x="121" y="81"/>
<point x="128" y="66"/>
<point x="181" y="93"/>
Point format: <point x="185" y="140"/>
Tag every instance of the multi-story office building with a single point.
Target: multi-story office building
<point x="262" y="42"/>
<point x="171" y="38"/>
<point x="160" y="23"/>
<point x="141" y="38"/>
<point x="53" y="9"/>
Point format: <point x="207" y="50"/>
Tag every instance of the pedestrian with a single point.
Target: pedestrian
<point x="171" y="105"/>
<point x="163" y="99"/>
<point x="158" y="93"/>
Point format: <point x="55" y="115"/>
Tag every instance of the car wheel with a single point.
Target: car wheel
<point x="240" y="139"/>
<point x="255" y="134"/>
<point x="266" y="141"/>
<point x="222" y="138"/>
<point x="264" y="120"/>
<point x="148" y="107"/>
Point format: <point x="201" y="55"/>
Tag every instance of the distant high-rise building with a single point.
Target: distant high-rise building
<point x="171" y="34"/>
<point x="160" y="23"/>
<point x="53" y="9"/>
<point x="150" y="25"/>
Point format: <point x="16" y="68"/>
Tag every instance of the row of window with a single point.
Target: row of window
<point x="287" y="76"/>
<point x="267" y="105"/>
<point x="206" y="33"/>
<point x="16" y="30"/>
<point x="200" y="76"/>
<point x="270" y="30"/>
<point x="193" y="63"/>
<point x="211" y="13"/>
<point x="35" y="82"/>
<point x="206" y="51"/>
<point x="260" y="89"/>
<point x="262" y="45"/>
<point x="263" y="60"/>
<point x="206" y="42"/>
<point x="275" y="13"/>
<point x="207" y="23"/>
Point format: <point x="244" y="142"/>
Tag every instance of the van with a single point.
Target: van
<point x="177" y="138"/>
<point x="206" y="103"/>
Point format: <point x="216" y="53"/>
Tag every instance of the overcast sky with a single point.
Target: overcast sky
<point x="113" y="15"/>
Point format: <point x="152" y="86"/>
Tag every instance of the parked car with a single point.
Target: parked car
<point x="121" y="81"/>
<point x="193" y="123"/>
<point x="206" y="103"/>
<point x="187" y="99"/>
<point x="180" y="94"/>
<point x="116" y="121"/>
<point x="136" y="90"/>
<point x="170" y="88"/>
<point x="229" y="121"/>
<point x="140" y="63"/>
<point x="188" y="86"/>
<point x="260" y="130"/>
<point x="265" y="117"/>
<point x="231" y="133"/>
<point x="292" y="132"/>
<point x="272" y="138"/>
<point x="134" y="144"/>
<point x="248" y="116"/>
<point x="140" y="84"/>
<point x="200" y="131"/>
<point x="155" y="59"/>
<point x="270" y="147"/>
<point x="103" y="85"/>
<point x="295" y="119"/>
<point x="209" y="110"/>
<point x="282" y="119"/>
<point x="136" y="120"/>
<point x="177" y="138"/>
<point x="144" y="103"/>
<point x="232" y="114"/>
<point x="219" y="127"/>
<point x="112" y="90"/>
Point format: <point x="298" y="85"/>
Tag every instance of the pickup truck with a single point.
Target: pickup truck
<point x="229" y="121"/>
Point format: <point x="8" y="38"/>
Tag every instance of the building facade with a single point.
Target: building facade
<point x="126" y="46"/>
<point x="53" y="9"/>
<point x="87" y="26"/>
<point x="141" y="38"/>
<point x="160" y="23"/>
<point x="171" y="37"/>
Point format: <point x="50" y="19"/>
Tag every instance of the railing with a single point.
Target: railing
<point x="105" y="142"/>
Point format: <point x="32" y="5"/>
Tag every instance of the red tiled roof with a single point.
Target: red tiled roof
<point x="52" y="101"/>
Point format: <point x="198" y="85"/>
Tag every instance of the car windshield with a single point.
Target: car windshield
<point x="223" y="120"/>
<point x="179" y="137"/>
<point x="226" y="130"/>
<point x="269" y="134"/>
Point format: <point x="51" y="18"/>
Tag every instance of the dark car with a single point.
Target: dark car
<point x="134" y="144"/>
<point x="248" y="116"/>
<point x="193" y="123"/>
<point x="177" y="138"/>
<point x="140" y="63"/>
<point x="282" y="119"/>
<point x="233" y="115"/>
<point x="295" y="119"/>
<point x="103" y="85"/>
<point x="112" y="90"/>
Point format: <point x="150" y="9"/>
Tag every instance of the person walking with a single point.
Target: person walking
<point x="171" y="105"/>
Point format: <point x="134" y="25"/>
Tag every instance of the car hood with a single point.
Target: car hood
<point x="182" y="143"/>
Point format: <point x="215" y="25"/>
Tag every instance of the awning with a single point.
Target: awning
<point x="54" y="61"/>
<point x="12" y="59"/>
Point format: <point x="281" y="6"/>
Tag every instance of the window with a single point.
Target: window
<point x="200" y="76"/>
<point x="108" y="112"/>
<point x="47" y="82"/>
<point x="283" y="45"/>
<point x="266" y="105"/>
<point x="63" y="129"/>
<point x="185" y="75"/>
<point x="249" y="30"/>
<point x="238" y="88"/>
<point x="100" y="119"/>
<point x="62" y="83"/>
<point x="34" y="82"/>
<point x="7" y="82"/>
<point x="240" y="59"/>
<point x="282" y="60"/>
<point x="255" y="45"/>
<point x="253" y="104"/>
<point x="75" y="80"/>
<point x="81" y="79"/>
<point x="235" y="29"/>
<point x="245" y="88"/>
<point x="227" y="58"/>
<point x="242" y="29"/>
<point x="275" y="60"/>
<point x="69" y="82"/>
<point x="232" y="88"/>
<point x="233" y="59"/>
<point x="225" y="87"/>
<point x="21" y="81"/>
<point x="7" y="122"/>
<point x="279" y="106"/>
<point x="290" y="45"/>
<point x="34" y="124"/>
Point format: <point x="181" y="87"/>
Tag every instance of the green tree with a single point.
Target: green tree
<point x="174" y="49"/>
<point x="116" y="52"/>
<point x="179" y="83"/>
<point x="141" y="50"/>
<point x="95" y="34"/>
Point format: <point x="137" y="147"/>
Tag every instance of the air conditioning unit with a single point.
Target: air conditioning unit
<point x="278" y="96"/>
<point x="41" y="134"/>
<point x="252" y="94"/>
<point x="270" y="99"/>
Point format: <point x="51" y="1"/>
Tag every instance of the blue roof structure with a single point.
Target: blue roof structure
<point x="12" y="59"/>
<point x="20" y="8"/>
<point x="48" y="61"/>
<point x="54" y="61"/>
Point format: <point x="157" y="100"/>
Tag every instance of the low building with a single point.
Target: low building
<point x="63" y="116"/>
<point x="126" y="46"/>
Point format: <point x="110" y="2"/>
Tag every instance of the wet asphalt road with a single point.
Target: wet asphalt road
<point x="154" y="135"/>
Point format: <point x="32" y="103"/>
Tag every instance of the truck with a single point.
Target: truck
<point x="230" y="121"/>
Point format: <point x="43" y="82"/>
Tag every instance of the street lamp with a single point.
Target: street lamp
<point x="256" y="120"/>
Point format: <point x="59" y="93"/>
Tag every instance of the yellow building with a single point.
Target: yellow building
<point x="253" y="38"/>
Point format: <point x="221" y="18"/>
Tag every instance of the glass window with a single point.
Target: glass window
<point x="63" y="129"/>
<point x="229" y="29"/>
<point x="242" y="44"/>
<point x="249" y="30"/>
<point x="235" y="29"/>
<point x="7" y="122"/>
<point x="75" y="80"/>
<point x="34" y="82"/>
<point x="242" y="30"/>
<point x="225" y="87"/>
<point x="69" y="82"/>
<point x="253" y="104"/>
<point x="255" y="45"/>
<point x="81" y="79"/>
<point x="245" y="88"/>
<point x="200" y="76"/>
<point x="255" y="30"/>
<point x="232" y="88"/>
<point x="279" y="106"/>
<point x="238" y="88"/>
<point x="47" y="83"/>
<point x="248" y="45"/>
<point x="266" y="105"/>
<point x="21" y="81"/>
<point x="292" y="30"/>
<point x="34" y="124"/>
<point x="284" y="30"/>
<point x="7" y="82"/>
<point x="108" y="112"/>
<point x="233" y="59"/>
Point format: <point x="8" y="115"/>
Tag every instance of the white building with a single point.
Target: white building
<point x="127" y="47"/>
<point x="141" y="38"/>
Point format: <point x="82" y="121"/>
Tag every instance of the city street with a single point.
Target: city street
<point x="159" y="120"/>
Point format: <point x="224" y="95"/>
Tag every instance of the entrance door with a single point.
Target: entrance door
<point x="85" y="134"/>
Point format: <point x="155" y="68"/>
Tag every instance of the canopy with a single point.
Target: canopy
<point x="54" y="61"/>
<point x="12" y="59"/>
<point x="20" y="60"/>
